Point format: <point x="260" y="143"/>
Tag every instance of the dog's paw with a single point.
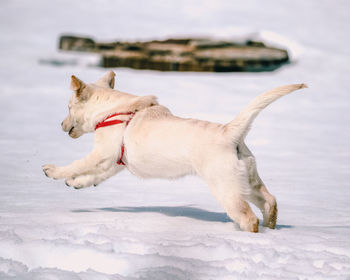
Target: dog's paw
<point x="270" y="214"/>
<point x="78" y="183"/>
<point x="52" y="171"/>
<point x="251" y="226"/>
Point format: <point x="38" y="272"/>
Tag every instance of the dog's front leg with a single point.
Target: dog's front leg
<point x="76" y="168"/>
<point x="100" y="160"/>
<point x="95" y="178"/>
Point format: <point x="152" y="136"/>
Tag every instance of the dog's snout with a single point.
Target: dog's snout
<point x="61" y="123"/>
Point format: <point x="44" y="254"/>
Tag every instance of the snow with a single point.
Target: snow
<point x="127" y="228"/>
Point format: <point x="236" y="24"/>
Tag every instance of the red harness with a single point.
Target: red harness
<point x="113" y="122"/>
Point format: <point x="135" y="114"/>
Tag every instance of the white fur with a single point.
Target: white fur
<point x="161" y="145"/>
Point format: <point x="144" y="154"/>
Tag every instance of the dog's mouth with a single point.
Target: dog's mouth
<point x="71" y="130"/>
<point x="74" y="133"/>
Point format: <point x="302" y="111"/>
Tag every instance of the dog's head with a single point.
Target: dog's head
<point x="91" y="103"/>
<point x="76" y="121"/>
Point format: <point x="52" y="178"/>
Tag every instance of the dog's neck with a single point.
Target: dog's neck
<point x="107" y="122"/>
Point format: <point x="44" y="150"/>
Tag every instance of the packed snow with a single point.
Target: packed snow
<point x="127" y="228"/>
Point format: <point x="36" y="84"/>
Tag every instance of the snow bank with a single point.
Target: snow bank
<point x="144" y="245"/>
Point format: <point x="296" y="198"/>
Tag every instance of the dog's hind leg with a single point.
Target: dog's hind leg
<point x="266" y="203"/>
<point x="236" y="207"/>
<point x="228" y="188"/>
<point x="239" y="210"/>
<point x="259" y="194"/>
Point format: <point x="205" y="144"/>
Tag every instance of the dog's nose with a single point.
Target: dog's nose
<point x="61" y="123"/>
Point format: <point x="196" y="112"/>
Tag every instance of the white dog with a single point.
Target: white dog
<point x="138" y="133"/>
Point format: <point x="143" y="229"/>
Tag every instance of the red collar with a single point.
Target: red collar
<point x="113" y="122"/>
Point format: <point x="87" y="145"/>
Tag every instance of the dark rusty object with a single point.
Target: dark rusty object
<point x="199" y="55"/>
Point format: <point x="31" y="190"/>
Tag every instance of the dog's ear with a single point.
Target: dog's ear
<point x="107" y="80"/>
<point x="77" y="85"/>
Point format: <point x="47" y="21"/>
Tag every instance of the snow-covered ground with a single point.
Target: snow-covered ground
<point x="128" y="228"/>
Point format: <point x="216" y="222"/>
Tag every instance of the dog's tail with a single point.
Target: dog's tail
<point x="239" y="127"/>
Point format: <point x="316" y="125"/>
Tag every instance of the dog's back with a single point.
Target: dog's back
<point x="168" y="146"/>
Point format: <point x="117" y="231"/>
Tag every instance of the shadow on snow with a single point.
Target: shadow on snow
<point x="172" y="211"/>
